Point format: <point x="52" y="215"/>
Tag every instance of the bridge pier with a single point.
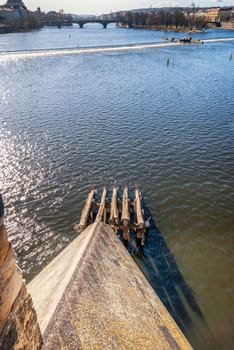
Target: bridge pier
<point x="93" y="296"/>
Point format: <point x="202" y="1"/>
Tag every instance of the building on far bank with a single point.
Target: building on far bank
<point x="212" y="15"/>
<point x="15" y="4"/>
<point x="219" y="14"/>
<point x="7" y="13"/>
<point x="15" y="17"/>
<point x="13" y="10"/>
<point x="225" y="14"/>
<point x="227" y="21"/>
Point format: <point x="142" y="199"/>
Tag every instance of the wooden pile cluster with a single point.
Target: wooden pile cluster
<point x="123" y="215"/>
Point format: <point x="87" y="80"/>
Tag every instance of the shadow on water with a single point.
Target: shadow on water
<point x="163" y="273"/>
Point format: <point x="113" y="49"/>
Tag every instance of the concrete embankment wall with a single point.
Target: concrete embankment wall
<point x="93" y="296"/>
<point x="19" y="328"/>
<point x="227" y="25"/>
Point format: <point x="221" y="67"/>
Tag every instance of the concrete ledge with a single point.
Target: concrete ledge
<point x="48" y="287"/>
<point x="93" y="296"/>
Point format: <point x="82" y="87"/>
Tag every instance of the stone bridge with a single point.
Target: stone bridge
<point x="104" y="22"/>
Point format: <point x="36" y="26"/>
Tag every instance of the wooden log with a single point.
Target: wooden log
<point x="125" y="217"/>
<point x="86" y="211"/>
<point x="114" y="216"/>
<point x="139" y="216"/>
<point x="102" y="206"/>
<point x="140" y="223"/>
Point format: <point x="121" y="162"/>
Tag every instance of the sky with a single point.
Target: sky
<point x="106" y="6"/>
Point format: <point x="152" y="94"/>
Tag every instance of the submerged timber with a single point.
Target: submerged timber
<point x="93" y="295"/>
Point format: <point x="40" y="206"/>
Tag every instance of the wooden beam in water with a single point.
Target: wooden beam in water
<point x="102" y="208"/>
<point x="114" y="215"/>
<point x="138" y="209"/>
<point x="125" y="217"/>
<point x="140" y="222"/>
<point x="86" y="212"/>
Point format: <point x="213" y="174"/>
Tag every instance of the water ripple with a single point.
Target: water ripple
<point x="71" y="121"/>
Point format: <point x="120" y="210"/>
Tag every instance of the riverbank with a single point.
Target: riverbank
<point x="224" y="25"/>
<point x="228" y="25"/>
<point x="7" y="29"/>
<point x="171" y="29"/>
<point x="11" y="29"/>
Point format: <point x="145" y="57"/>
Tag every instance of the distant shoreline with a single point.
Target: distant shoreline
<point x="226" y="25"/>
<point x="11" y="30"/>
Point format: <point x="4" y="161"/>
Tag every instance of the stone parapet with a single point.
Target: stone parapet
<point x="19" y="328"/>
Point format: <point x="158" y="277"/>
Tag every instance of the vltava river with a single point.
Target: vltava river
<point x="70" y="119"/>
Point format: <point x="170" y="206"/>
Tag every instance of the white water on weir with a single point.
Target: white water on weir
<point x="75" y="51"/>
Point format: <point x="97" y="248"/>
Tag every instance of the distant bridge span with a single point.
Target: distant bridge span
<point x="104" y="22"/>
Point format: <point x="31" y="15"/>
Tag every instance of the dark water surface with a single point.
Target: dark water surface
<point x="69" y="121"/>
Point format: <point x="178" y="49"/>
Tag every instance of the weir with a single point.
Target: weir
<point x="93" y="295"/>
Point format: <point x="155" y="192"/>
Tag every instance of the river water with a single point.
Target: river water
<point x="74" y="118"/>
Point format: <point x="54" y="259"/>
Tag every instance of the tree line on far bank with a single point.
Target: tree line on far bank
<point x="35" y="20"/>
<point x="170" y="18"/>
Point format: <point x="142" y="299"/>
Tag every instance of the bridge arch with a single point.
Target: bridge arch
<point x="82" y="24"/>
<point x="104" y="22"/>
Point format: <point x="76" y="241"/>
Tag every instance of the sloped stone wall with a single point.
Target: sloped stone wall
<point x="19" y="328"/>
